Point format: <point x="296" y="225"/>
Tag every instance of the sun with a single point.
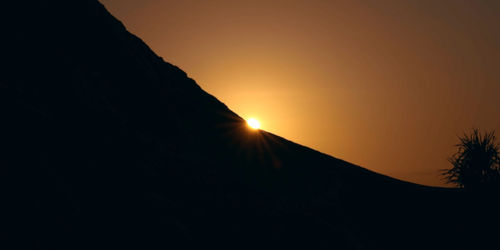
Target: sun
<point x="253" y="123"/>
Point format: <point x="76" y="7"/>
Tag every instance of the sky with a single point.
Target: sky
<point x="387" y="85"/>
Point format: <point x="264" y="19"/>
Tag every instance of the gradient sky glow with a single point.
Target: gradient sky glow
<point x="387" y="85"/>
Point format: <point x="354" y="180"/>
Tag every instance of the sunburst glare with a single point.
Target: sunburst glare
<point x="253" y="123"/>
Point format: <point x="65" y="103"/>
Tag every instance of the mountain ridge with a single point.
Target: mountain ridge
<point x="107" y="145"/>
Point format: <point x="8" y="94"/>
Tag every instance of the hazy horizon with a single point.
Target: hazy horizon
<point x="384" y="86"/>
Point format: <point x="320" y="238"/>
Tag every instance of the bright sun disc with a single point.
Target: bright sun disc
<point x="253" y="123"/>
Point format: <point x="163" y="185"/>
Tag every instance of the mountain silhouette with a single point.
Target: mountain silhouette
<point x="105" y="145"/>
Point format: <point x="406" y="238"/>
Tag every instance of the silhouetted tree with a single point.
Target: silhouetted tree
<point x="476" y="163"/>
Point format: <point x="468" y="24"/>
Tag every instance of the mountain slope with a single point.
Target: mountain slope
<point x="106" y="145"/>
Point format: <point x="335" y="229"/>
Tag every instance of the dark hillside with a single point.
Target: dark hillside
<point x="105" y="145"/>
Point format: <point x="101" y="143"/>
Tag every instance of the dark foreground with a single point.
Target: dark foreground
<point x="105" y="145"/>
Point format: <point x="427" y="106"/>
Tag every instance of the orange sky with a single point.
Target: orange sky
<point x="385" y="86"/>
